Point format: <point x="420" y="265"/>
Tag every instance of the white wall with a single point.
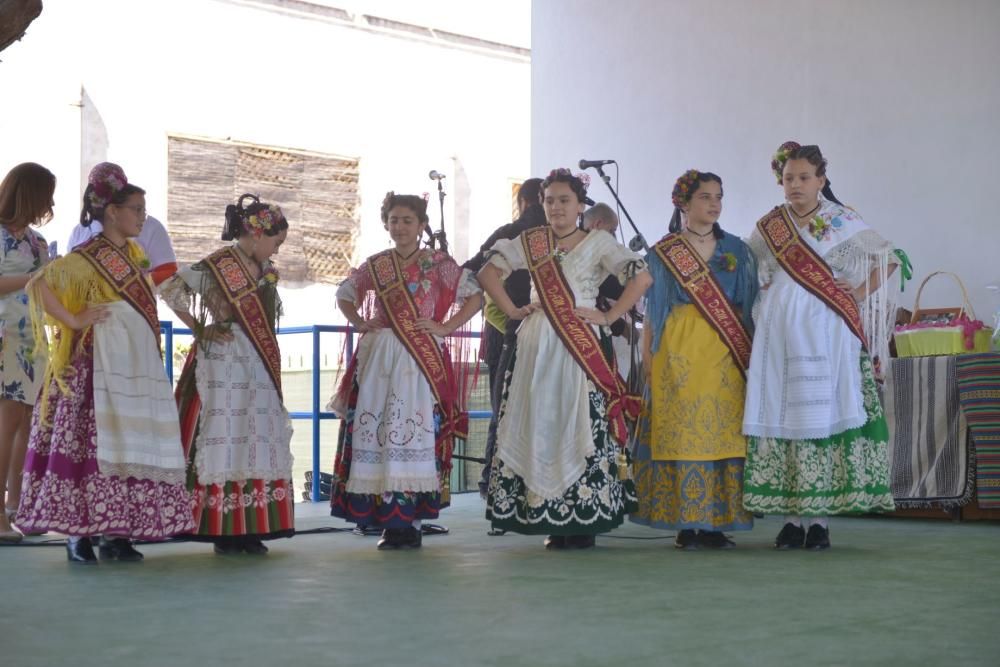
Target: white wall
<point x="903" y="96"/>
<point x="225" y="69"/>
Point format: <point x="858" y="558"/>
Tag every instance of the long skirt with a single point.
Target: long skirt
<point x="596" y="503"/>
<point x="846" y="473"/>
<point x="391" y="468"/>
<point x="689" y="448"/>
<point x="263" y="509"/>
<point x="64" y="489"/>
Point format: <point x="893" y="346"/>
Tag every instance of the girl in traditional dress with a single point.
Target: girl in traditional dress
<point x="104" y="457"/>
<point x="562" y="420"/>
<point x="690" y="450"/>
<point x="25" y="199"/>
<point x="399" y="399"/>
<point x="818" y="442"/>
<point x="236" y="431"/>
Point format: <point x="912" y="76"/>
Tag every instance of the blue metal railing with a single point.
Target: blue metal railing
<point x="315" y="415"/>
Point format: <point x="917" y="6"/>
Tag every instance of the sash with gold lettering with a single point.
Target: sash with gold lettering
<point x="117" y="268"/>
<point x="396" y="300"/>
<point x="579" y="338"/>
<point x="696" y="279"/>
<point x="808" y="269"/>
<point x="240" y="289"/>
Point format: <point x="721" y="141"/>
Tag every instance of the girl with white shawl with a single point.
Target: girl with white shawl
<point x="818" y="436"/>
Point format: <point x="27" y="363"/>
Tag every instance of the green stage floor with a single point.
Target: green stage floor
<point x="890" y="592"/>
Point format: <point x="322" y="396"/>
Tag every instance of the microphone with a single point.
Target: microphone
<point x="587" y="164"/>
<point x="435" y="176"/>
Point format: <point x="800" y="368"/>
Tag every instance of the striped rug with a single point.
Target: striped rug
<point x="928" y="437"/>
<point x="978" y="377"/>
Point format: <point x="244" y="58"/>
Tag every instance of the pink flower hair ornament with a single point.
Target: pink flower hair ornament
<point x="106" y="180"/>
<point x="263" y="220"/>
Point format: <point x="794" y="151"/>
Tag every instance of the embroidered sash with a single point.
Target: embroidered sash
<point x="396" y="300"/>
<point x="579" y="338"/>
<point x="240" y="289"/>
<point x="696" y="279"/>
<point x="808" y="269"/>
<point x="117" y="268"/>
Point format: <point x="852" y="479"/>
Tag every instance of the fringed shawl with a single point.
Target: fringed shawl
<point x="76" y="285"/>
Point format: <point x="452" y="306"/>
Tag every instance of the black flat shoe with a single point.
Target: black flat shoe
<point x="555" y="542"/>
<point x="714" y="539"/>
<point x="411" y="538"/>
<point x="81" y="551"/>
<point x="119" y="548"/>
<point x="227" y="547"/>
<point x="254" y="547"/>
<point x="790" y="537"/>
<point x="391" y="539"/>
<point x="818" y="538"/>
<point x="686" y="539"/>
<point x="581" y="541"/>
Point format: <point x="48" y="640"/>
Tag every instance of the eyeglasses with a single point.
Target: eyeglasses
<point x="139" y="210"/>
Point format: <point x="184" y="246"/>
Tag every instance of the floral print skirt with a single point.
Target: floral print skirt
<point x="392" y="509"/>
<point x="596" y="503"/>
<point x="846" y="473"/>
<point x="64" y="490"/>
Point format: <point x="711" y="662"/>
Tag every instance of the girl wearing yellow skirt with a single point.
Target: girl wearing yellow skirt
<point x="690" y="451"/>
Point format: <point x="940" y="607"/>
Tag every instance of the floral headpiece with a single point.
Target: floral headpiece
<point x="263" y="220"/>
<point x="781" y="157"/>
<point x="106" y="180"/>
<point x="685" y="187"/>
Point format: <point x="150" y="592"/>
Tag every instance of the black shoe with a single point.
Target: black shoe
<point x="118" y="548"/>
<point x="411" y="538"/>
<point x="254" y="547"/>
<point x="391" y="539"/>
<point x="80" y="551"/>
<point x="581" y="541"/>
<point x="227" y="547"/>
<point x="686" y="539"/>
<point x="818" y="538"/>
<point x="790" y="537"/>
<point x="555" y="542"/>
<point x="714" y="539"/>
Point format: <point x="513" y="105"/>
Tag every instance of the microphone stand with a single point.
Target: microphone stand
<point x="439" y="237"/>
<point x="638" y="242"/>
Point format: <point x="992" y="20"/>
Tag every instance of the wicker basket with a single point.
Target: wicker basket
<point x="942" y="331"/>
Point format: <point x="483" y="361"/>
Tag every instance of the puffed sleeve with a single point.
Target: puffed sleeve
<point x="178" y="290"/>
<point x="508" y="256"/>
<point x="618" y="260"/>
<point x="355" y="286"/>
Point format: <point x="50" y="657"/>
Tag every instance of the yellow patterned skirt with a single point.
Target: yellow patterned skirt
<point x="689" y="449"/>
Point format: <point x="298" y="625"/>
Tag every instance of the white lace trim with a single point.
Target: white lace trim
<point x="143" y="472"/>
<point x="392" y="484"/>
<point x="243" y="475"/>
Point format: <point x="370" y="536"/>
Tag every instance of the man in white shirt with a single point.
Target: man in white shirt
<point x="153" y="238"/>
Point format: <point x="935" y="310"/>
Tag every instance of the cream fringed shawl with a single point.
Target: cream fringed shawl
<point x="858" y="255"/>
<point x="76" y="285"/>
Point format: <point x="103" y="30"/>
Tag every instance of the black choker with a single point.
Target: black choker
<point x="710" y="231"/>
<point x="400" y="255"/>
<point x="575" y="230"/>
<point x="806" y="215"/>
